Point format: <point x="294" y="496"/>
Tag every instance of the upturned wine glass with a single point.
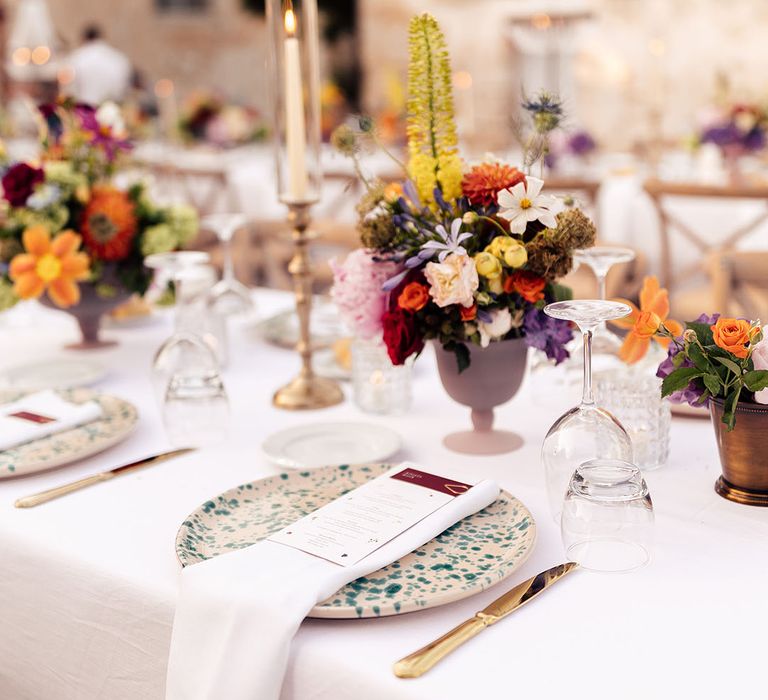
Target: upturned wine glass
<point x="229" y="296"/>
<point x="600" y="259"/>
<point x="586" y="431"/>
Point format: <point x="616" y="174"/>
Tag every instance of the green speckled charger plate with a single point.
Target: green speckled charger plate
<point x="468" y="557"/>
<point x="116" y="422"/>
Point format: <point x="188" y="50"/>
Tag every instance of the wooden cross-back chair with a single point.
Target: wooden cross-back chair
<point x="660" y="192"/>
<point x="585" y="191"/>
<point x="740" y="280"/>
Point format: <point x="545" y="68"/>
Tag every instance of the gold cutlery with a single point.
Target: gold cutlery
<point x="58" y="491"/>
<point x="421" y="661"/>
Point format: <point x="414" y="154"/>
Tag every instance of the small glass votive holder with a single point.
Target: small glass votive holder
<point x="607" y="520"/>
<point x="634" y="398"/>
<point x="378" y="386"/>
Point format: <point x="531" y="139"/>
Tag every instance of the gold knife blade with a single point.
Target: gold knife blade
<point x="421" y="661"/>
<point x="58" y="491"/>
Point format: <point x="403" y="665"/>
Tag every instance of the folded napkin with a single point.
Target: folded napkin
<point x="238" y="613"/>
<point x="41" y="414"/>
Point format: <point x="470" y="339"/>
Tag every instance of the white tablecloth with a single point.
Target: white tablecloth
<point x="88" y="582"/>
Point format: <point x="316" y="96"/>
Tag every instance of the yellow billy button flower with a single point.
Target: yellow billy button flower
<point x="508" y="249"/>
<point x="488" y="265"/>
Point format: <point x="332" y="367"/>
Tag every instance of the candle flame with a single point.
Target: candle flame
<point x="290" y="22"/>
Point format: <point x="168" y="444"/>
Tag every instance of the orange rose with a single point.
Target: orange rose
<point x="414" y="297"/>
<point x="468" y="313"/>
<point x="527" y="284"/>
<point x="733" y="335"/>
<point x="646" y="325"/>
<point x="392" y="192"/>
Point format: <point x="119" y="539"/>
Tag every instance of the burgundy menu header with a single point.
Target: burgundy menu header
<point x="431" y="481"/>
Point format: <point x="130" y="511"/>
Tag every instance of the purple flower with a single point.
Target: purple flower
<point x="581" y="143"/>
<point x="693" y="392"/>
<point x="548" y="334"/>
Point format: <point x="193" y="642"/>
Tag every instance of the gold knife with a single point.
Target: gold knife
<point x="58" y="491"/>
<point x="425" y="658"/>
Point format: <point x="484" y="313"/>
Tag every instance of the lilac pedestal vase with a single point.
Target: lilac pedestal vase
<point x="492" y="378"/>
<point x="88" y="314"/>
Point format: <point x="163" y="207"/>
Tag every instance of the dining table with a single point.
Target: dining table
<point x="89" y="582"/>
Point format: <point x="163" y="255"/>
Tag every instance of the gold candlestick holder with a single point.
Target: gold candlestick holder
<point x="306" y="390"/>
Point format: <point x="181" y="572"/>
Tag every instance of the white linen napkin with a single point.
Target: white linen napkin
<point x="238" y="613"/>
<point x="34" y="412"/>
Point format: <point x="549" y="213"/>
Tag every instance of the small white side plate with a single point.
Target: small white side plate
<point x="52" y="374"/>
<point x="319" y="444"/>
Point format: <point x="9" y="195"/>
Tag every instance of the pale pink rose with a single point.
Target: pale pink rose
<point x="453" y="281"/>
<point x="760" y="360"/>
<point x="357" y="291"/>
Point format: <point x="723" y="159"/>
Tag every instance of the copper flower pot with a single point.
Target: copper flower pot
<point x="743" y="454"/>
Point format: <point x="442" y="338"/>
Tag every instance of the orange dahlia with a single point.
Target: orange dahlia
<point x="482" y="184"/>
<point x="109" y="224"/>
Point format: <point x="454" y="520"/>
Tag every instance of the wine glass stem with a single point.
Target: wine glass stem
<point x="229" y="271"/>
<point x="601" y="286"/>
<point x="184" y="312"/>
<point x="586" y="394"/>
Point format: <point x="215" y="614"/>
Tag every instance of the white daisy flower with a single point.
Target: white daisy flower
<point x="524" y="203"/>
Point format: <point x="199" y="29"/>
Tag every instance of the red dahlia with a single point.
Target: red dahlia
<point x="485" y="181"/>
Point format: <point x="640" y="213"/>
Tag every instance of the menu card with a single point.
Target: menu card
<point x="348" y="529"/>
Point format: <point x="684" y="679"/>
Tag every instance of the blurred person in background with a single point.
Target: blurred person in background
<point x="100" y="71"/>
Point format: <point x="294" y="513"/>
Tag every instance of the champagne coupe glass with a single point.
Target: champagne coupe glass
<point x="601" y="259"/>
<point x="586" y="431"/>
<point x="228" y="296"/>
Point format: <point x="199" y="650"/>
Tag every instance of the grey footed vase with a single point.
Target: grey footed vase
<point x="493" y="377"/>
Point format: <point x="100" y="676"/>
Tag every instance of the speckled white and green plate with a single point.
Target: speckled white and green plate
<point x="468" y="557"/>
<point x="117" y="420"/>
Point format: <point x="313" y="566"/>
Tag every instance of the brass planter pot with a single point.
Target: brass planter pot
<point x="743" y="454"/>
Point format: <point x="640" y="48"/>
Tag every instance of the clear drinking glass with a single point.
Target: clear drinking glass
<point x="378" y="386"/>
<point x="635" y="399"/>
<point x="228" y="296"/>
<point x="586" y="431"/>
<point x="607" y="521"/>
<point x="601" y="259"/>
<point x="195" y="406"/>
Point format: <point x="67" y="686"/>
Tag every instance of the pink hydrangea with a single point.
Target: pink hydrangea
<point x="357" y="291"/>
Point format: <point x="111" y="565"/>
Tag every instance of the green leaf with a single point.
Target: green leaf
<point x="712" y="382"/>
<point x="678" y="379"/>
<point x="698" y="358"/>
<point x="730" y="364"/>
<point x="560" y="292"/>
<point x="462" y="356"/>
<point x="729" y="408"/>
<point x="756" y="380"/>
<point x="703" y="332"/>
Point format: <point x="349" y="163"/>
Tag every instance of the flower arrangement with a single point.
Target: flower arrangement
<point x="737" y="130"/>
<point x="471" y="255"/>
<point x="714" y="357"/>
<point x="63" y="221"/>
<point x="208" y="118"/>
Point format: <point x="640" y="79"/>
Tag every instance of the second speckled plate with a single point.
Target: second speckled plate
<point x="468" y="557"/>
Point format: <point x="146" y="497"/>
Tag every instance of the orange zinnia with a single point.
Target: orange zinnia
<point x="54" y="266"/>
<point x="109" y="224"/>
<point x="643" y="323"/>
